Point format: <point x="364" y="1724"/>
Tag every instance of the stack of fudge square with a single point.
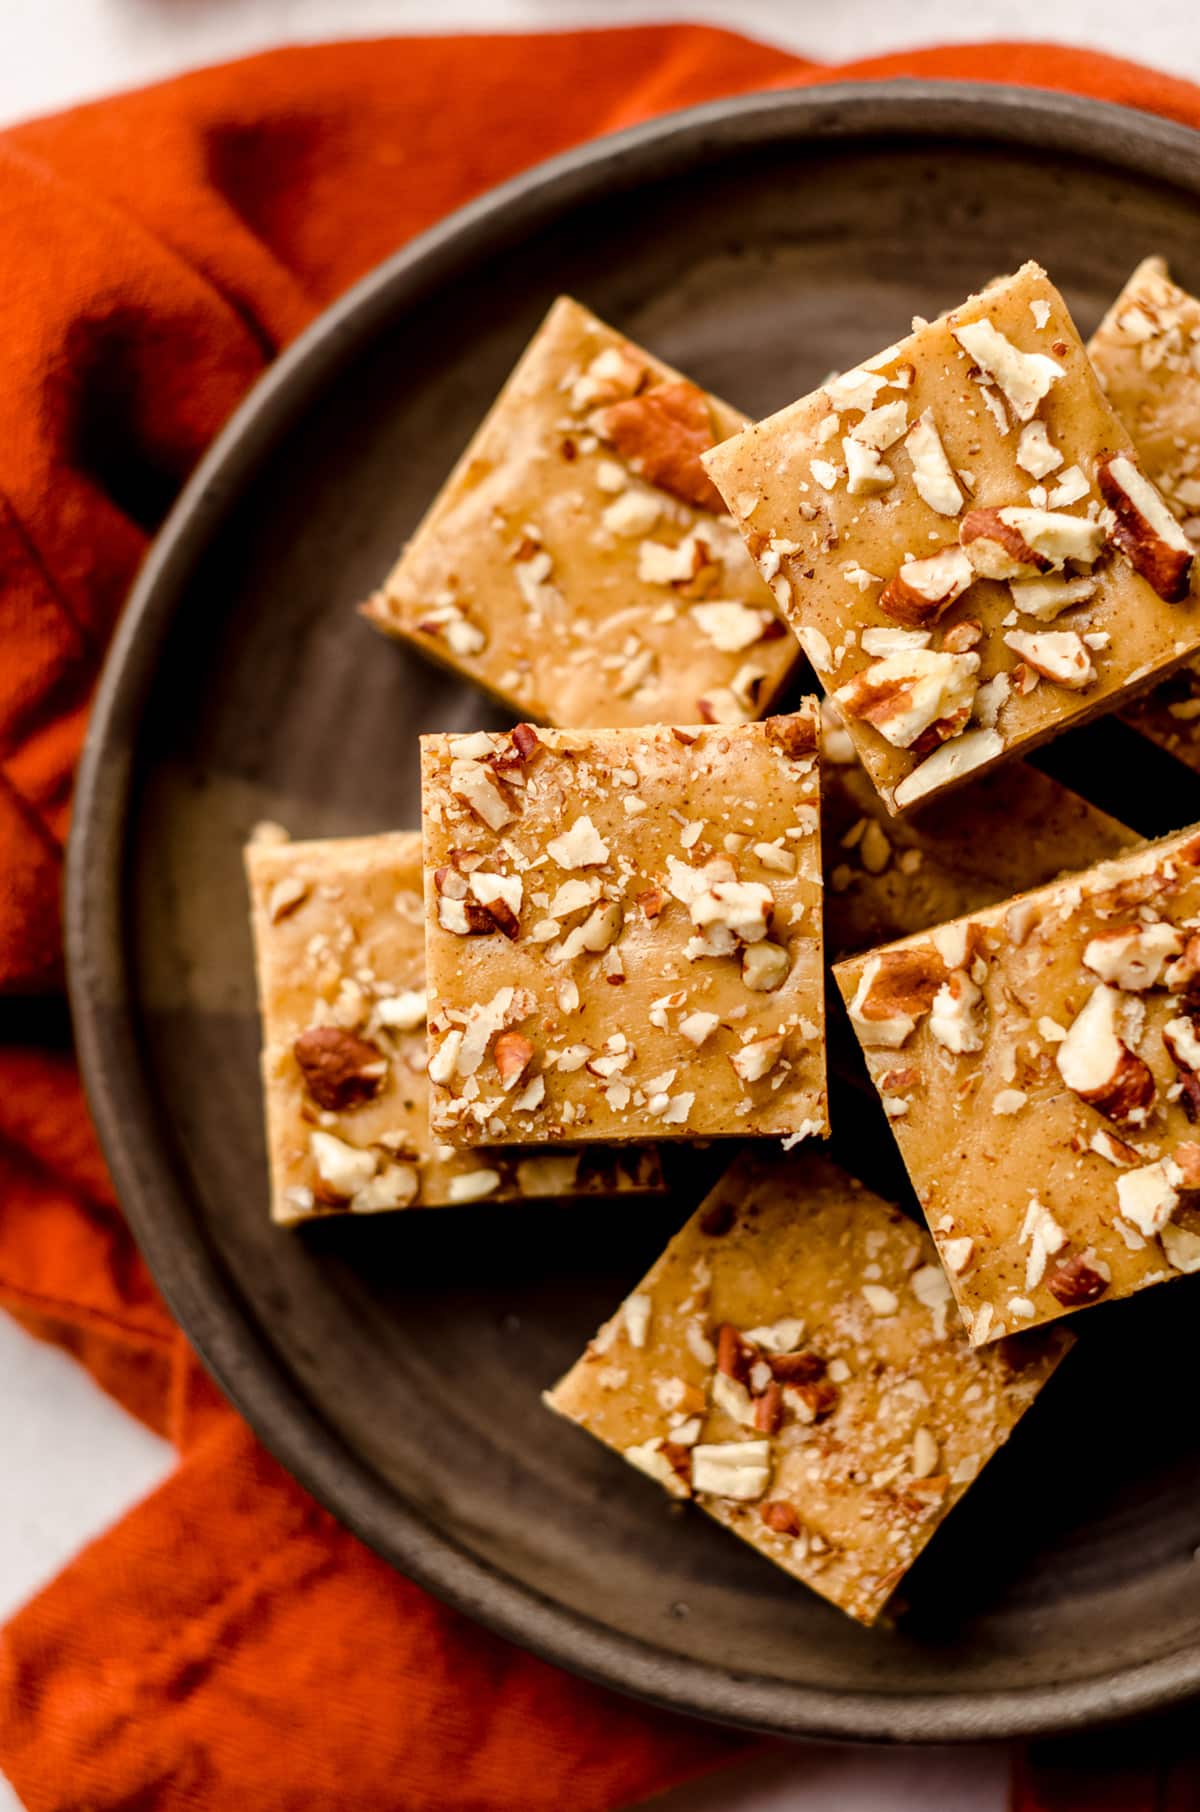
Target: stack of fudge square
<point x="610" y="931"/>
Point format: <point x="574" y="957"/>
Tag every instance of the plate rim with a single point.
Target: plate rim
<point x="148" y="1174"/>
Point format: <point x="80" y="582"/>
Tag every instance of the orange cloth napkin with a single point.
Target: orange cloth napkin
<point x="228" y="1644"/>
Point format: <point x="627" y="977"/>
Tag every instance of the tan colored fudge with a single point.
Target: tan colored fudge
<point x="962" y="537"/>
<point x="340" y="940"/>
<point x="1146" y="353"/>
<point x="578" y="563"/>
<point x="624" y="932"/>
<point x="794" y="1363"/>
<point x="1040" y="1062"/>
<point x="885" y="877"/>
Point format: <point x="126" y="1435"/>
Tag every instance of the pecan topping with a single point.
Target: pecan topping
<point x="1099" y="1067"/>
<point x="522" y="742"/>
<point x="340" y="1069"/>
<point x="679" y="1459"/>
<point x="1187" y="1158"/>
<point x="1144" y="528"/>
<point x="795" y="736"/>
<point x="996" y="549"/>
<point x="896" y="990"/>
<point x="797" y="1368"/>
<point x="502" y="917"/>
<point x="768" y="1410"/>
<point x="922" y="1495"/>
<point x="661" y="433"/>
<point x="1077" y="1281"/>
<point x="735" y="1356"/>
<point x="513" y="1054"/>
<point x="922" y="589"/>
<point x="819" y="1399"/>
<point x="781" y="1517"/>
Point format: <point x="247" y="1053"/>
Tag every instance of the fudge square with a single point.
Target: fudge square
<point x="1040" y="1063"/>
<point x="793" y="1362"/>
<point x="1012" y="829"/>
<point x="1146" y="354"/>
<point x="340" y="941"/>
<point x="962" y="535"/>
<point x="624" y="932"/>
<point x="578" y="563"/>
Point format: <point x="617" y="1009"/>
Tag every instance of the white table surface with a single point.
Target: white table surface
<point x="73" y="1461"/>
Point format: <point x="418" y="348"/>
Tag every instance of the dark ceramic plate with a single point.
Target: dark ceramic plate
<point x="395" y="1364"/>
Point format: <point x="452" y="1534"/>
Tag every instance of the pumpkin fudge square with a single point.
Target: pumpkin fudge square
<point x="578" y="563"/>
<point x="624" y="933"/>
<point x="963" y="537"/>
<point x="340" y="938"/>
<point x="1040" y="1063"/>
<point x="1146" y="354"/>
<point x="794" y="1364"/>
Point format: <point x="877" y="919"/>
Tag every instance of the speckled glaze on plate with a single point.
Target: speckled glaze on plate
<point x="395" y="1364"/>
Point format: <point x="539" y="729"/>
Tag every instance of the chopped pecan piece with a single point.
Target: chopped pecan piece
<point x="679" y="1459"/>
<point x="1078" y="1280"/>
<point x="923" y="589"/>
<point x="340" y="1069"/>
<point x="1144" y="528"/>
<point x="503" y="918"/>
<point x="735" y="1355"/>
<point x="819" y="1399"/>
<point x="780" y="1517"/>
<point x="1012" y="543"/>
<point x="896" y="990"/>
<point x="1189" y="1084"/>
<point x="513" y="1054"/>
<point x="797" y="1368"/>
<point x="522" y="742"/>
<point x="661" y="434"/>
<point x="996" y="549"/>
<point x="1099" y="1067"/>
<point x="921" y="1495"/>
<point x="1184" y="973"/>
<point x="796" y="737"/>
<point x="906" y="694"/>
<point x="768" y="1410"/>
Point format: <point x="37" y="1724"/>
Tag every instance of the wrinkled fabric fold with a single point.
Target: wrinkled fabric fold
<point x="228" y="1643"/>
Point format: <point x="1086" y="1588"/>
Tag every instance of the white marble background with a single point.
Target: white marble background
<point x="73" y="1461"/>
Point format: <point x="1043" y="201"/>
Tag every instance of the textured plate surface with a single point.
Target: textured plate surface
<point x="395" y="1364"/>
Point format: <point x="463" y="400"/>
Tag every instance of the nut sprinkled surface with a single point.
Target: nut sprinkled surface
<point x="1052" y="1120"/>
<point x="795" y="1366"/>
<point x="666" y="966"/>
<point x="578" y="562"/>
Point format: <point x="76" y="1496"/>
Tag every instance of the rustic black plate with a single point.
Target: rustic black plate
<point x="394" y="1365"/>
